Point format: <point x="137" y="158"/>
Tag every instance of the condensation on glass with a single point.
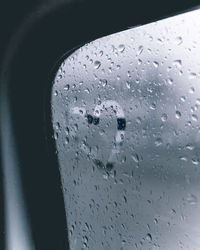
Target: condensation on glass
<point x="127" y="128"/>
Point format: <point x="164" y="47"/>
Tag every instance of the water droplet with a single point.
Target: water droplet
<point x="135" y="157"/>
<point x="87" y="91"/>
<point x="56" y="93"/>
<point x="57" y="126"/>
<point x="97" y="64"/>
<point x="67" y="131"/>
<point x="139" y="61"/>
<point x="156" y="221"/>
<point x="118" y="67"/>
<point x="191" y="199"/>
<point x="128" y="84"/>
<point x="192" y="75"/>
<point x="198" y="101"/>
<point x="125" y="199"/>
<point x="140" y="50"/>
<point x="101" y="53"/>
<point x="66" y="87"/>
<point x="56" y="136"/>
<point x="194" y="117"/>
<point x="195" y="161"/>
<point x="59" y="77"/>
<point x="139" y="120"/>
<point x="118" y="77"/>
<point x="153" y="106"/>
<point x="177" y="63"/>
<point x="158" y="142"/>
<point x="104" y="82"/>
<point x="85" y="239"/>
<point x="179" y="40"/>
<point x="149" y="237"/>
<point x="121" y="48"/>
<point x="155" y="64"/>
<point x="170" y="81"/>
<point x="178" y="114"/>
<point x="189" y="147"/>
<point x="191" y="90"/>
<point x="173" y="211"/>
<point x="183" y="98"/>
<point x="183" y="158"/>
<point x="164" y="117"/>
<point x="66" y="140"/>
<point x="159" y="40"/>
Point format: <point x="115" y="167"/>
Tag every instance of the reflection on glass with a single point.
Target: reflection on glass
<point x="127" y="129"/>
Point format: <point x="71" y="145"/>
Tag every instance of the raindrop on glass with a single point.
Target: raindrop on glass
<point x="97" y="64"/>
<point x="155" y="64"/>
<point x="164" y="117"/>
<point x="121" y="48"/>
<point x="178" y="114"/>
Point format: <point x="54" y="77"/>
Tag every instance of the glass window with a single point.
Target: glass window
<point x="126" y="118"/>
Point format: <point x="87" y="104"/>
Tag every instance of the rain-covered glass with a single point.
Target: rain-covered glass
<point x="126" y="119"/>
